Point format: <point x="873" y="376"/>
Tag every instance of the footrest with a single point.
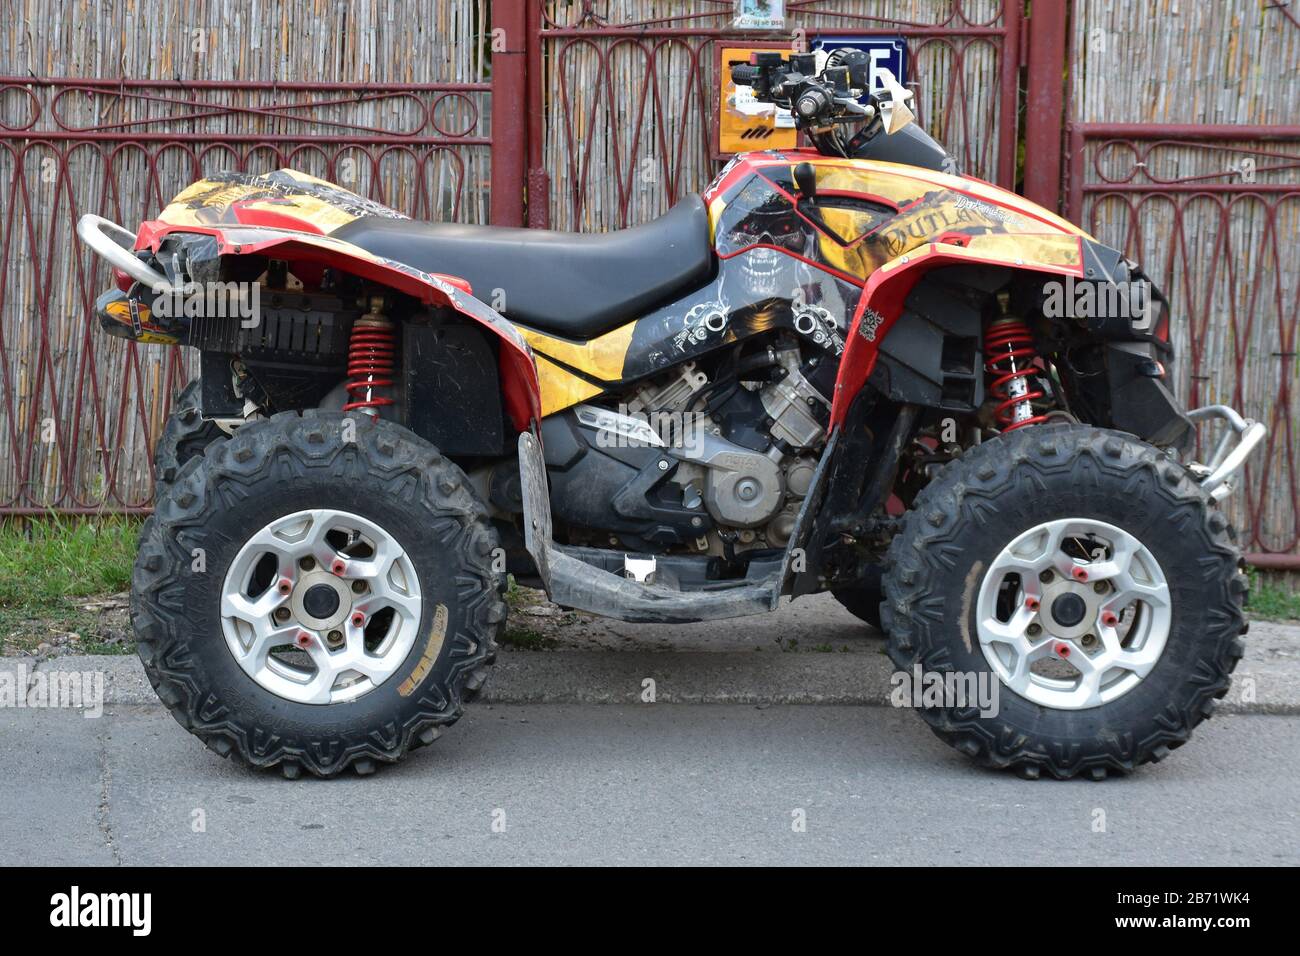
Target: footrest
<point x="571" y="582"/>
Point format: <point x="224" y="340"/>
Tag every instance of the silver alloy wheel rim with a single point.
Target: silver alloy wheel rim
<point x="1113" y="647"/>
<point x="291" y="654"/>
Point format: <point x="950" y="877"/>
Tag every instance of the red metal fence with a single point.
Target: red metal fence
<point x="80" y="410"/>
<point x="600" y="114"/>
<point x="623" y="103"/>
<point x="1182" y="149"/>
<point x="1213" y="214"/>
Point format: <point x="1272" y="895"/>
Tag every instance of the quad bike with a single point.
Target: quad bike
<point x="836" y="370"/>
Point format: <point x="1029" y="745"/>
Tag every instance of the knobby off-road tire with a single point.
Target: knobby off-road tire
<point x="185" y="436"/>
<point x="281" y="466"/>
<point x="980" y="503"/>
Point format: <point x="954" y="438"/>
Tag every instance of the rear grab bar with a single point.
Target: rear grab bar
<point x="114" y="244"/>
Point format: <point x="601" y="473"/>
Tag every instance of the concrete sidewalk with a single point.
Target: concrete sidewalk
<point x="563" y="764"/>
<point x="644" y="784"/>
<point x="809" y="652"/>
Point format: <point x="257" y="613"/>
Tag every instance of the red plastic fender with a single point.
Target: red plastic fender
<point x="520" y="389"/>
<point x="887" y="290"/>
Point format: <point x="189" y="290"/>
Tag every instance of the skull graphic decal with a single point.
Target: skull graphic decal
<point x="763" y="222"/>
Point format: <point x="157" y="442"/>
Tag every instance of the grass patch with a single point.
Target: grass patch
<point x="1271" y="602"/>
<point x="45" y="559"/>
<point x="50" y="567"/>
<point x="527" y="639"/>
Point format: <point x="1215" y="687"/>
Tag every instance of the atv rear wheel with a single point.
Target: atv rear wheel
<point x="184" y="436"/>
<point x="317" y="593"/>
<point x="1086" y="574"/>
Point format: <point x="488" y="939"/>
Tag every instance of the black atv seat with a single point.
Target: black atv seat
<point x="571" y="284"/>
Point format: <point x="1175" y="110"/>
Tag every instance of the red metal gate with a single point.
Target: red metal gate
<point x="80" y="410"/>
<point x="1211" y="209"/>
<point x="602" y="114"/>
<point x="1211" y="212"/>
<point x="623" y="96"/>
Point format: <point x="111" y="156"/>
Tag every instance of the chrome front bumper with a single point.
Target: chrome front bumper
<point x="1234" y="446"/>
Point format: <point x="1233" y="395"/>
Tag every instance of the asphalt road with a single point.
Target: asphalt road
<point x="653" y="784"/>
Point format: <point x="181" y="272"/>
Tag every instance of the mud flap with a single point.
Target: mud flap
<point x="573" y="583"/>
<point x="537" y="505"/>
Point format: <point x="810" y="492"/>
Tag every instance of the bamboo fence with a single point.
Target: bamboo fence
<point x="1230" y="262"/>
<point x="629" y="119"/>
<point x="79" y="408"/>
<point x="626" y="132"/>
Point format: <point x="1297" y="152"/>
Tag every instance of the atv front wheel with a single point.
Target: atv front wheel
<point x="185" y="436"/>
<point x="1086" y="574"/>
<point x="317" y="593"/>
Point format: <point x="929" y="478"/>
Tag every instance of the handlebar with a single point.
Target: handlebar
<point x="819" y="103"/>
<point x="830" y="94"/>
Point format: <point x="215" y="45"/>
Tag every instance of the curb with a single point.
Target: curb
<point x="684" y="677"/>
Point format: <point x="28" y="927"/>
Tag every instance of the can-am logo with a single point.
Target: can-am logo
<point x="75" y="909"/>
<point x="213" y="300"/>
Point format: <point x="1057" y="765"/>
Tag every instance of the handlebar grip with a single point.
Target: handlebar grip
<point x="743" y="74"/>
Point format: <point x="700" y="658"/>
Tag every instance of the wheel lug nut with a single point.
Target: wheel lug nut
<point x="1109" y="618"/>
<point x="303" y="640"/>
<point x="1046" y="576"/>
<point x="282" y="614"/>
<point x="335" y="638"/>
<point x="1101" y="587"/>
<point x="1031" y="603"/>
<point x="358" y="619"/>
<point x="1079" y="574"/>
<point x="307" y="563"/>
<point x="285" y="586"/>
<point x="1034" y="629"/>
<point x="1062" y="649"/>
<point x="358" y="586"/>
<point x="338" y="567"/>
<point x="1088" y="640"/>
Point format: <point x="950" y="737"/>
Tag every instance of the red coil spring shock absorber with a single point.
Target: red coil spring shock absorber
<point x="371" y="360"/>
<point x="1009" y="356"/>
